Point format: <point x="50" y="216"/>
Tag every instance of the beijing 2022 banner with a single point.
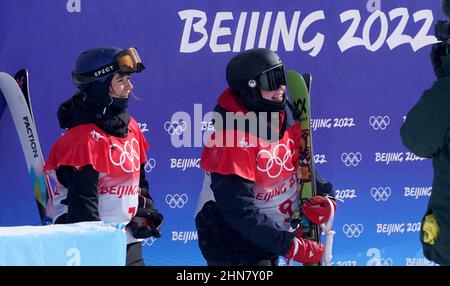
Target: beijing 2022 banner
<point x="369" y="61"/>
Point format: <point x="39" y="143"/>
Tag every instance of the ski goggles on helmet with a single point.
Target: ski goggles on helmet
<point x="129" y="61"/>
<point x="272" y="79"/>
<point x="125" y="62"/>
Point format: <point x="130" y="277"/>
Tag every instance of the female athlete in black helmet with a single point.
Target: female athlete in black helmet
<point x="250" y="188"/>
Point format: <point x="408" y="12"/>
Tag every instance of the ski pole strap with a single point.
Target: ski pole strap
<point x="326" y="227"/>
<point x="328" y="248"/>
<point x="329" y="234"/>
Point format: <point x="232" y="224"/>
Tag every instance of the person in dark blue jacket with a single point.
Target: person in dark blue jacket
<point x="250" y="190"/>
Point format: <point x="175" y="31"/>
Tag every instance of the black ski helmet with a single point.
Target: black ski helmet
<point x="94" y="69"/>
<point x="251" y="70"/>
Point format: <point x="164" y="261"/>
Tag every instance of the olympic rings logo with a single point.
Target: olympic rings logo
<point x="275" y="161"/>
<point x="175" y="127"/>
<point x="129" y="152"/>
<point x="149" y="241"/>
<point x="379" y="122"/>
<point x="351" y="159"/>
<point x="149" y="165"/>
<point x="176" y="200"/>
<point x="353" y="230"/>
<point x="386" y="262"/>
<point x="381" y="262"/>
<point x="380" y="193"/>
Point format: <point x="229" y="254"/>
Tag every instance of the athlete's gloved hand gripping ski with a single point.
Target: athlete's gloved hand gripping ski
<point x="298" y="87"/>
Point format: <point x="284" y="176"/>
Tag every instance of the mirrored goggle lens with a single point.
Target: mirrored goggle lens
<point x="272" y="79"/>
<point x="129" y="61"/>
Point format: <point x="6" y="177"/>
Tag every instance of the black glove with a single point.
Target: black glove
<point x="147" y="221"/>
<point x="438" y="52"/>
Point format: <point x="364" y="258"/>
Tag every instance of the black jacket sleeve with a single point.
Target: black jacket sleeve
<point x="234" y="200"/>
<point x="82" y="195"/>
<point x="426" y="129"/>
<point x="144" y="185"/>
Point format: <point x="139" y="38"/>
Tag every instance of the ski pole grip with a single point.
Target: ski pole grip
<point x="329" y="236"/>
<point x="328" y="248"/>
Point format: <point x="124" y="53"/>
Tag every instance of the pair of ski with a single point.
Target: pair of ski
<point x="299" y="90"/>
<point x="15" y="90"/>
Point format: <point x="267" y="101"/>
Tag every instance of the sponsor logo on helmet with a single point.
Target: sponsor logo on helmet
<point x="104" y="71"/>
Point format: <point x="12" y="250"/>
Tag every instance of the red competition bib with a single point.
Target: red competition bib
<point x="271" y="166"/>
<point x="117" y="160"/>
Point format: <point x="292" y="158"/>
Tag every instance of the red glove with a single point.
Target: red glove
<point x="305" y="251"/>
<point x="318" y="209"/>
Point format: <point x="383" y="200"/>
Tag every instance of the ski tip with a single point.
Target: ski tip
<point x="21" y="77"/>
<point x="296" y="84"/>
<point x="308" y="79"/>
<point x="21" y="72"/>
<point x="307" y="75"/>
